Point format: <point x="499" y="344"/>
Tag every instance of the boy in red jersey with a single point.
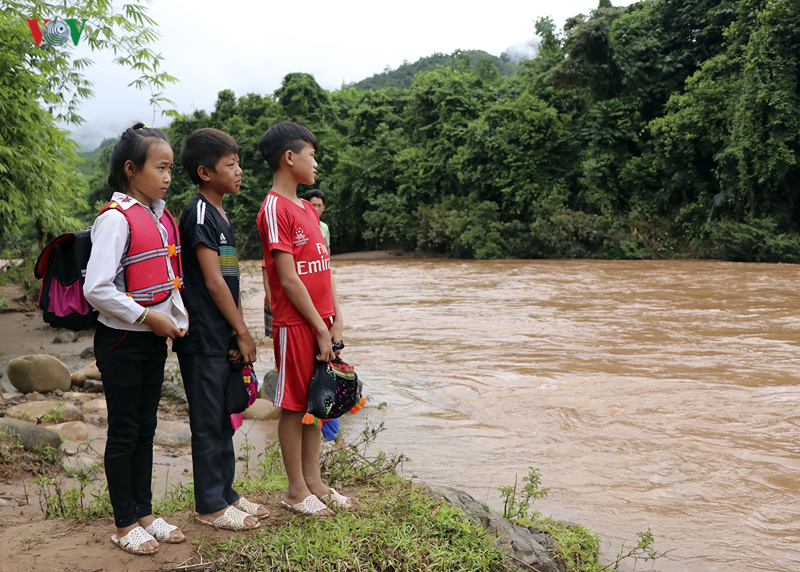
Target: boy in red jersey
<point x="305" y="309"/>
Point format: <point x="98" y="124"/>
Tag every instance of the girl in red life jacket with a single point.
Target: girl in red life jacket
<point x="133" y="279"/>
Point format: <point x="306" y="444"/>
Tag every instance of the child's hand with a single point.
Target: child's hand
<point x="325" y="349"/>
<point x="163" y="326"/>
<point x="247" y="347"/>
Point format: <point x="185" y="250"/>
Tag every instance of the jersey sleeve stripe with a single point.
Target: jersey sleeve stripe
<point x="272" y="218"/>
<point x="201" y="212"/>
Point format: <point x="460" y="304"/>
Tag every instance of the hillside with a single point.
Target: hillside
<point x="461" y="60"/>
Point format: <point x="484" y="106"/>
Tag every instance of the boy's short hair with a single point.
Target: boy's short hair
<point x="282" y="137"/>
<point x="204" y="148"/>
<point x="315" y="193"/>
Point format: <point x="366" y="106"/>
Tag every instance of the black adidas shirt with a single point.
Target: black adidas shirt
<point x="209" y="331"/>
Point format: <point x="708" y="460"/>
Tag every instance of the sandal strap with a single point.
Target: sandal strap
<point x="135" y="538"/>
<point x="311" y="505"/>
<point x="336" y="499"/>
<point x="160" y="529"/>
<point x="232" y="518"/>
<point x="250" y="508"/>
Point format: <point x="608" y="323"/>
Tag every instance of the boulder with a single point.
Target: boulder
<point x="525" y="546"/>
<point x="45" y="412"/>
<point x="30" y="435"/>
<point x="98" y="404"/>
<point x="89" y="372"/>
<point x="262" y="409"/>
<point x="79" y="465"/>
<point x="38" y="372"/>
<point x="93" y="386"/>
<point x="270" y="380"/>
<point x="172" y="434"/>
<point x="64" y="338"/>
<point x="71" y="431"/>
<point x="174" y="392"/>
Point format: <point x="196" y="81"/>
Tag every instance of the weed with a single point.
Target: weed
<point x="245" y="449"/>
<point x="516" y="508"/>
<point x="56" y="501"/>
<point x="353" y="466"/>
<point x="29" y="543"/>
<point x="24" y="416"/>
<point x="52" y="415"/>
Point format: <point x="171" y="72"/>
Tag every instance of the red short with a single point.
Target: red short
<point x="295" y="357"/>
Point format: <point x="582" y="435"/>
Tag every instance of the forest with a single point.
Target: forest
<point x="659" y="130"/>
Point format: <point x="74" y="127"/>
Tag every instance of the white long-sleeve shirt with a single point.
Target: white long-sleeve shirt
<point x="105" y="289"/>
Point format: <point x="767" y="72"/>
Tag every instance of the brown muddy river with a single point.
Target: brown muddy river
<point x="649" y="394"/>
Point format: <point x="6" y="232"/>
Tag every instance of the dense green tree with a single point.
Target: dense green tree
<point x="43" y="85"/>
<point x="660" y="129"/>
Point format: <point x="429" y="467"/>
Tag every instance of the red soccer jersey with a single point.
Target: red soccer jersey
<point x="286" y="226"/>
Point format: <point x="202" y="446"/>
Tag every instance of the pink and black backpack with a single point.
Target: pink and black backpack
<point x="62" y="268"/>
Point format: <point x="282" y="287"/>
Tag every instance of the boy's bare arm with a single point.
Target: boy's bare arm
<point x="221" y="295"/>
<point x="299" y="296"/>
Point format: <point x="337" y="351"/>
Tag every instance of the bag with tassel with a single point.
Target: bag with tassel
<point x="334" y="390"/>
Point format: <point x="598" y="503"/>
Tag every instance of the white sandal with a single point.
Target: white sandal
<point x="231" y="519"/>
<point x="311" y="506"/>
<point x="132" y="542"/>
<point x="336" y="500"/>
<point x="251" y="508"/>
<point x="160" y="529"/>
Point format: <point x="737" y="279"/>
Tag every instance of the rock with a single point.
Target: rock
<point x="98" y="404"/>
<point x="78" y="465"/>
<point x="270" y="383"/>
<point x="4" y="502"/>
<point x="38" y="372"/>
<point x="72" y="431"/>
<point x="88" y="372"/>
<point x="174" y="392"/>
<point x="88" y="353"/>
<point x="64" y="338"/>
<point x="93" y="386"/>
<point x="9" y="396"/>
<point x="525" y="546"/>
<point x="31" y="435"/>
<point x="36" y="396"/>
<point x="58" y="393"/>
<point x="45" y="412"/>
<point x="70" y="451"/>
<point x="262" y="409"/>
<point x="73" y="395"/>
<point x="172" y="434"/>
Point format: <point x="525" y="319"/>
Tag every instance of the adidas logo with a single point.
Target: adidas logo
<point x="222" y="239"/>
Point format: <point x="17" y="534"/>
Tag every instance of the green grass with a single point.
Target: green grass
<point x="397" y="526"/>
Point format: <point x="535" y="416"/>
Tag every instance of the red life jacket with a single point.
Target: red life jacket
<point x="147" y="260"/>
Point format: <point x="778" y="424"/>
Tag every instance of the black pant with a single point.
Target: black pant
<point x="213" y="458"/>
<point x="132" y="367"/>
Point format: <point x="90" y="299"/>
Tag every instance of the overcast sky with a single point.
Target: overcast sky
<point x="250" y="45"/>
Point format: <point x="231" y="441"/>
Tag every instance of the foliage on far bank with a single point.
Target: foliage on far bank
<point x="656" y="130"/>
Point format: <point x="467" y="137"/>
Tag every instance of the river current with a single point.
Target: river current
<point x="650" y="394"/>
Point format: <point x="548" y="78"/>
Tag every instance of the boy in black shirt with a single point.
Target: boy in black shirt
<point x="217" y="331"/>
